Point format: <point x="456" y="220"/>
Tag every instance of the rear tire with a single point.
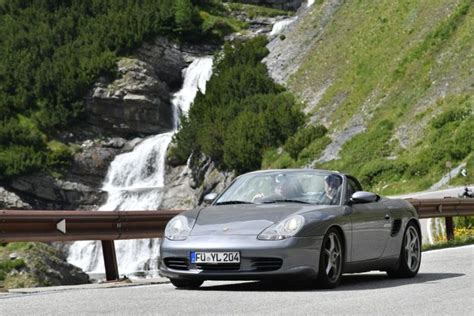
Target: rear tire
<point x="186" y="284"/>
<point x="331" y="260"/>
<point x="410" y="254"/>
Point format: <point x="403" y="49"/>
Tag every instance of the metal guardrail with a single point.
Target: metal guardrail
<point x="115" y="225"/>
<point x="82" y="225"/>
<point x="429" y="208"/>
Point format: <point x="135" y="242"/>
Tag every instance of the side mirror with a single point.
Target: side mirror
<point x="209" y="198"/>
<point x="364" y="197"/>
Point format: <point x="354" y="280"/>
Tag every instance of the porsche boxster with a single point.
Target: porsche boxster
<point x="304" y="223"/>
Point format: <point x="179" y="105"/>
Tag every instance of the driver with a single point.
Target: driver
<point x="332" y="184"/>
<point x="283" y="188"/>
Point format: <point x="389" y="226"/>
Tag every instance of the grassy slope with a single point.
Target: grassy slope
<point x="400" y="63"/>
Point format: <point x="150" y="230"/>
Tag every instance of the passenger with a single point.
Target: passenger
<point x="332" y="192"/>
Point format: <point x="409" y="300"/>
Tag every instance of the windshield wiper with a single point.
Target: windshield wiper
<point x="287" y="201"/>
<point x="233" y="202"/>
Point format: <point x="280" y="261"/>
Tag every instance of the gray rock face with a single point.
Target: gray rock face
<point x="91" y="163"/>
<point x="168" y="58"/>
<point x="138" y="103"/>
<point x="186" y="186"/>
<point x="286" y="56"/>
<point x="11" y="201"/>
<point x="45" y="192"/>
<point x="276" y="4"/>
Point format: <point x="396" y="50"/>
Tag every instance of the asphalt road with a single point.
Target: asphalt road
<point x="444" y="286"/>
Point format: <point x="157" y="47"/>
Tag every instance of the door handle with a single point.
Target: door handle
<point x="387" y="216"/>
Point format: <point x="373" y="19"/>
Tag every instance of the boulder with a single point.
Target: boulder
<point x="39" y="264"/>
<point x="186" y="186"/>
<point x="11" y="201"/>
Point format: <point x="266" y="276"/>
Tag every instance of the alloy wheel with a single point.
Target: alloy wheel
<point x="333" y="258"/>
<point x="412" y="249"/>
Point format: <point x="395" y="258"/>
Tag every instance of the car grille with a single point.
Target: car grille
<point x="254" y="265"/>
<point x="397" y="224"/>
<point x="266" y="264"/>
<point x="218" y="267"/>
<point x="177" y="263"/>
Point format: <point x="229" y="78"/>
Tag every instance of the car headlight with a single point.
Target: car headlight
<point x="286" y="228"/>
<point x="178" y="228"/>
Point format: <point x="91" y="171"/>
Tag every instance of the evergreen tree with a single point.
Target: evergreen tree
<point x="184" y="16"/>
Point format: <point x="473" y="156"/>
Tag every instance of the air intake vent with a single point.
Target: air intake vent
<point x="177" y="263"/>
<point x="218" y="267"/>
<point x="266" y="264"/>
<point x="397" y="224"/>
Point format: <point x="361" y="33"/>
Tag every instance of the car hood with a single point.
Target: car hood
<point x="243" y="219"/>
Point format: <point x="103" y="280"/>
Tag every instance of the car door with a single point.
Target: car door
<point x="370" y="226"/>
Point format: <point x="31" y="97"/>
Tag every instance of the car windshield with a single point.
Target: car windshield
<point x="305" y="187"/>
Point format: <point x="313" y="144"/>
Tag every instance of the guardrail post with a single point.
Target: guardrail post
<point x="110" y="260"/>
<point x="449" y="228"/>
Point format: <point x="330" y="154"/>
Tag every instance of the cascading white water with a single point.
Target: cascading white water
<point x="280" y="26"/>
<point x="135" y="181"/>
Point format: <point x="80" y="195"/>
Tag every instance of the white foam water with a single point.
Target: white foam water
<point x="135" y="181"/>
<point x="280" y="26"/>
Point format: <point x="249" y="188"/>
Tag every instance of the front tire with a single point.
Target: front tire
<point x="331" y="260"/>
<point x="410" y="254"/>
<point x="186" y="284"/>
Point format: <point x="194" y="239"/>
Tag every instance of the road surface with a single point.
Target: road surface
<point x="444" y="286"/>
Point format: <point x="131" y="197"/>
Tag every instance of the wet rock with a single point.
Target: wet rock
<point x="169" y="58"/>
<point x="90" y="164"/>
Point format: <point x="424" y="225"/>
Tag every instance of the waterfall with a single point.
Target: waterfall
<point x="135" y="181"/>
<point x="280" y="26"/>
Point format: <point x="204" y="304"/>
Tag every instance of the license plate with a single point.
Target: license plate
<point x="215" y="257"/>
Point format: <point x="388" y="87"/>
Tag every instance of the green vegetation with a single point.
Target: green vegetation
<point x="305" y="136"/>
<point x="462" y="236"/>
<point x="51" y="52"/>
<point x="36" y="264"/>
<point x="253" y="11"/>
<point x="404" y="68"/>
<point x="242" y="113"/>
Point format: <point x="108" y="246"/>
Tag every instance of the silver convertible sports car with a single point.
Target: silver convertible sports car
<point x="309" y="224"/>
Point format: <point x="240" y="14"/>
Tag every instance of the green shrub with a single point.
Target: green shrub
<point x="295" y="144"/>
<point x="9" y="265"/>
<point x="381" y="169"/>
<point x="242" y="113"/>
<point x="450" y="116"/>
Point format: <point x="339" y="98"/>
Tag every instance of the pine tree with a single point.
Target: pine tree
<point x="184" y="12"/>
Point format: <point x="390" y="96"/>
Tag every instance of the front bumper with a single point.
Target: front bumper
<point x="299" y="256"/>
